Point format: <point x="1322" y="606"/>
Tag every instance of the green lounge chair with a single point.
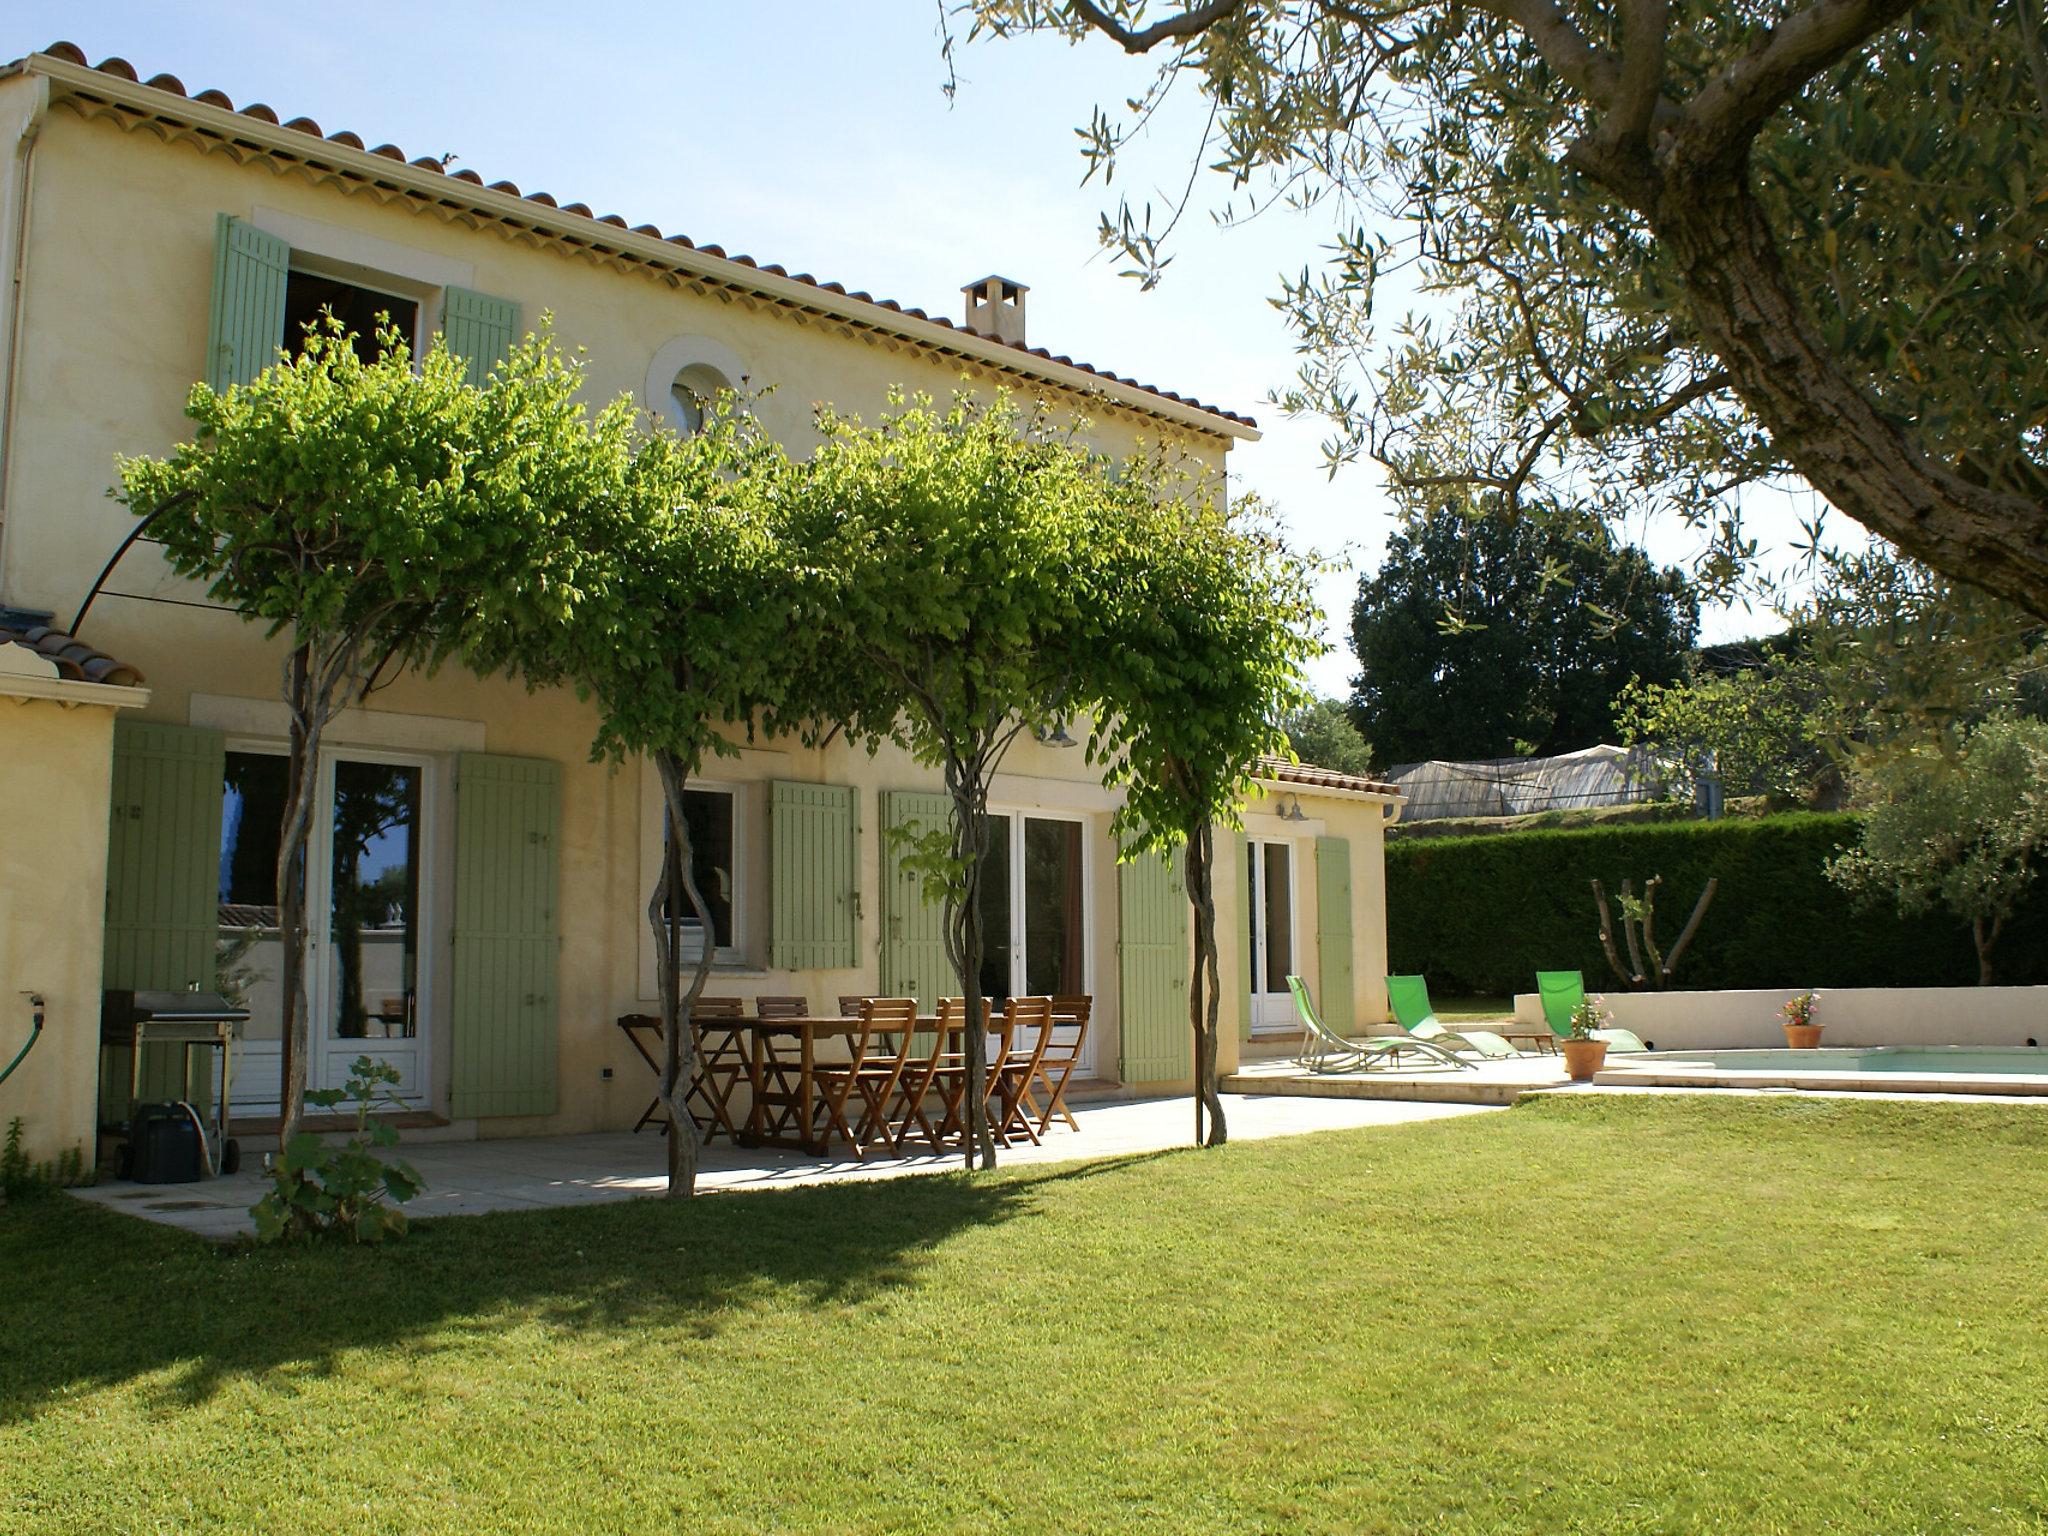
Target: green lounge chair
<point x="1561" y="992"/>
<point x="1409" y="996"/>
<point x="1324" y="1050"/>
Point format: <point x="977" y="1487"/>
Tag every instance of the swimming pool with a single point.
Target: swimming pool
<point x="1861" y="1069"/>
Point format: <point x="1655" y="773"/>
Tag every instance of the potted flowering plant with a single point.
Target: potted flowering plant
<point x="1801" y="1033"/>
<point x="1584" y="1050"/>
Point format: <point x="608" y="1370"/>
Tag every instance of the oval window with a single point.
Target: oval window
<point x="690" y="396"/>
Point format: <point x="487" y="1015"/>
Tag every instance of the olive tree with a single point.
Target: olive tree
<point x="376" y="515"/>
<point x="1667" y="250"/>
<point x="958" y="542"/>
<point x="1209" y="622"/>
<point x="1965" y="832"/>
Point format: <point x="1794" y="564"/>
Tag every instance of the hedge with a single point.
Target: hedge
<point x="1479" y="916"/>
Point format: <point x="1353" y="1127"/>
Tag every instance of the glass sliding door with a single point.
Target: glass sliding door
<point x="1271" y="872"/>
<point x="1034" y="909"/>
<point x="370" y="1001"/>
<point x="247" y="953"/>
<point x="1054" y="943"/>
<point x="364" y="866"/>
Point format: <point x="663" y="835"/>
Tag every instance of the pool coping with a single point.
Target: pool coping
<point x="1677" y="1073"/>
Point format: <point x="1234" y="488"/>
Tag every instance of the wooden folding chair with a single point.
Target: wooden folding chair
<point x="849" y="1005"/>
<point x="781" y="1008"/>
<point x="834" y="1083"/>
<point x="891" y="1041"/>
<point x="951" y="1079"/>
<point x="947" y="1075"/>
<point x="922" y="1071"/>
<point x="719" y="1063"/>
<point x="1056" y="1064"/>
<point x="1029" y="1031"/>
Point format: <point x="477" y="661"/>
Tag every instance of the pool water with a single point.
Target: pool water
<point x="1944" y="1069"/>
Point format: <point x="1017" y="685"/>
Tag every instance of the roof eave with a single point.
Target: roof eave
<point x="580" y="229"/>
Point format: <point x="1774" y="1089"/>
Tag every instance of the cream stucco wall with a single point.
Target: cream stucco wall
<point x="55" y="779"/>
<point x="120" y="250"/>
<point x="115" y="304"/>
<point x="1695" y="1021"/>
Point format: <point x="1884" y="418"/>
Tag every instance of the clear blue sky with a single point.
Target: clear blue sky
<point x="812" y="133"/>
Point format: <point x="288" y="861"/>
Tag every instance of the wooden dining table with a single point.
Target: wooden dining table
<point x="797" y="1075"/>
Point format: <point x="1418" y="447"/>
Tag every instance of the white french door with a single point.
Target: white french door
<point x="1035" y="911"/>
<point x="369" y="893"/>
<point x="1271" y="868"/>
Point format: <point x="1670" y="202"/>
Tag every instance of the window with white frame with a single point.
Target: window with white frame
<point x="711" y="817"/>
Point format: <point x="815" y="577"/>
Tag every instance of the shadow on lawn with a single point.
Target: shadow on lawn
<point x="111" y="1298"/>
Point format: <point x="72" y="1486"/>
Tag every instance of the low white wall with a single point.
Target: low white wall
<point x="1694" y="1021"/>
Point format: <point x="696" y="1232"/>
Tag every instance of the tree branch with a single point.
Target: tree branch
<point x="1725" y="114"/>
<point x="1589" y="70"/>
<point x="1645" y="24"/>
<point x="1172" y="29"/>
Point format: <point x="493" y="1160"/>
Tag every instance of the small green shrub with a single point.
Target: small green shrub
<point x="1480" y="916"/>
<point x="22" y="1177"/>
<point x="318" y="1188"/>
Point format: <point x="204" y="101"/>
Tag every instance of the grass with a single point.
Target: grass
<point x="1640" y="1314"/>
<point x="1474" y="1010"/>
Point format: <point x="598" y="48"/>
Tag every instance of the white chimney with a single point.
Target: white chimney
<point x="995" y="308"/>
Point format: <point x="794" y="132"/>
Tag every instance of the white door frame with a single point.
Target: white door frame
<point x="1273" y="1013"/>
<point x="331" y="1057"/>
<point x="1084" y="1065"/>
<point x="261" y="1062"/>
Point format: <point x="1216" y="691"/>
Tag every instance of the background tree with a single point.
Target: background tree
<point x="375" y="516"/>
<point x="1322" y="732"/>
<point x="1962" y="833"/>
<point x="1209" y="626"/>
<point x="1760" y="728"/>
<point x="1669" y="249"/>
<point x="1483" y="637"/>
<point x="957" y="543"/>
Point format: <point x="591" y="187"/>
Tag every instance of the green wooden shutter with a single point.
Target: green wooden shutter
<point x="1244" y="937"/>
<point x="249" y="270"/>
<point x="814" y="871"/>
<point x="163" y="883"/>
<point x="479" y="330"/>
<point x="1333" y="934"/>
<point x="913" y="930"/>
<point x="1153" y="958"/>
<point x="505" y="1024"/>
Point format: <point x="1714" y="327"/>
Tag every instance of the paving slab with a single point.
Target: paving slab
<point x="466" y="1178"/>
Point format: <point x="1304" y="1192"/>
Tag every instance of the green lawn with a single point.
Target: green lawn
<point x="1669" y="1314"/>
<point x="1474" y="1010"/>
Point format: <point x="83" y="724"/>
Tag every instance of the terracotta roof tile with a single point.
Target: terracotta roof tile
<point x="75" y="660"/>
<point x="1279" y="770"/>
<point x="170" y="84"/>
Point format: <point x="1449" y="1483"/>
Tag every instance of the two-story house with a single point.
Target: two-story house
<point x="478" y="884"/>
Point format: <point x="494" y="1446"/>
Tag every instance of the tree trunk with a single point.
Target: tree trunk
<point x="968" y="786"/>
<point x="1984" y="933"/>
<point x="678" y="1004"/>
<point x="1819" y="416"/>
<point x="1205" y="993"/>
<point x="301" y="759"/>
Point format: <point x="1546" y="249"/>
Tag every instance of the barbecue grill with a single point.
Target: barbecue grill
<point x="131" y="1019"/>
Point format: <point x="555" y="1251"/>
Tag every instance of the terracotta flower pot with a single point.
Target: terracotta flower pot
<point x="1803" y="1037"/>
<point x="1582" y="1058"/>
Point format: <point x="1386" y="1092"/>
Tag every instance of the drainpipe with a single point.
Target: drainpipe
<point x="17" y="266"/>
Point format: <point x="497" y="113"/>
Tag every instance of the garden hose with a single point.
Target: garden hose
<point x="35" y="1001"/>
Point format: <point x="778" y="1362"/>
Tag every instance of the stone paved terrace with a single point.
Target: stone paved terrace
<point x="470" y="1177"/>
<point x="1493" y="1081"/>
